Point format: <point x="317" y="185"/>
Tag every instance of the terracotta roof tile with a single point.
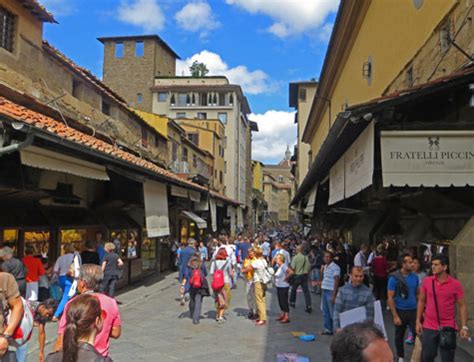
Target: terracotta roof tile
<point x="38" y="10"/>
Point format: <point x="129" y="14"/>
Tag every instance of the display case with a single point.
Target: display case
<point x="148" y="252"/>
<point x="76" y="237"/>
<point x="10" y="239"/>
<point x="39" y="240"/>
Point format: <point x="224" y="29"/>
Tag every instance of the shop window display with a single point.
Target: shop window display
<point x="148" y="253"/>
<point x="120" y="240"/>
<point x="77" y="237"/>
<point x="132" y="245"/>
<point x="10" y="238"/>
<point x="39" y="241"/>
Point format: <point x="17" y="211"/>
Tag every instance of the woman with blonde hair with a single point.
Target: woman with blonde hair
<point x="259" y="266"/>
<point x="83" y="323"/>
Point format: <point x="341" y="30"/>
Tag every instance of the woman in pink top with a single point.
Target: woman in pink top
<point x="380" y="270"/>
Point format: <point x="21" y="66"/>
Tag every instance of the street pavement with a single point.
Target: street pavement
<point x="156" y="328"/>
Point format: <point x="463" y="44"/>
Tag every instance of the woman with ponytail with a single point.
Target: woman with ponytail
<point x="84" y="321"/>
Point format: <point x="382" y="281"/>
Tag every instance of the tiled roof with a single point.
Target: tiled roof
<point x="52" y="126"/>
<point x="38" y="10"/>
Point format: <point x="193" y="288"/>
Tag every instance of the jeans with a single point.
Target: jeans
<point x="195" y="305"/>
<point x="408" y="318"/>
<point x="283" y="299"/>
<point x="21" y="353"/>
<point x="250" y="294"/>
<point x="65" y="283"/>
<point x="328" y="309"/>
<point x="108" y="285"/>
<point x="430" y="343"/>
<point x="303" y="281"/>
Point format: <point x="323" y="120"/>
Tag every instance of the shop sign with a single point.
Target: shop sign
<point x="179" y="192"/>
<point x="427" y="158"/>
<point x="336" y="182"/>
<point x="359" y="163"/>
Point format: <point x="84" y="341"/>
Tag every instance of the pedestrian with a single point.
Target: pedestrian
<point x="316" y="260"/>
<point x="222" y="294"/>
<point x="84" y="321"/>
<point x="440" y="294"/>
<point x="203" y="253"/>
<point x="282" y="286"/>
<point x="12" y="306"/>
<point x="35" y="271"/>
<point x="111" y="264"/>
<point x="44" y="282"/>
<point x="402" y="292"/>
<point x="353" y="295"/>
<point x="249" y="284"/>
<point x="329" y="287"/>
<point x="361" y="260"/>
<point x="195" y="281"/>
<point x="360" y="342"/>
<point x="259" y="266"/>
<point x="42" y="312"/>
<point x="299" y="272"/>
<point x="62" y="268"/>
<point x="418" y="271"/>
<point x="89" y="282"/>
<point x="15" y="267"/>
<point x="99" y="245"/>
<point x="380" y="269"/>
<point x="266" y="250"/>
<point x="90" y="255"/>
<point x="280" y="249"/>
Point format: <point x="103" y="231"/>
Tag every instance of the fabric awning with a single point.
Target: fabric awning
<point x="179" y="192"/>
<point x="156" y="209"/>
<point x="309" y="209"/>
<point x="194" y="195"/>
<point x="201" y="223"/>
<point x="212" y="204"/>
<point x="240" y="218"/>
<point x="49" y="160"/>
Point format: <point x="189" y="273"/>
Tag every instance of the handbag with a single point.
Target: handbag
<point x="447" y="335"/>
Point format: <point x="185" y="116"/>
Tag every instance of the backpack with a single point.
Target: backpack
<point x="196" y="279"/>
<point x="401" y="288"/>
<point x="218" y="278"/>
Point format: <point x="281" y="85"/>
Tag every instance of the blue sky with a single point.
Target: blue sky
<point x="260" y="44"/>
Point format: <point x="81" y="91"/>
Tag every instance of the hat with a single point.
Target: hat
<point x="6" y="250"/>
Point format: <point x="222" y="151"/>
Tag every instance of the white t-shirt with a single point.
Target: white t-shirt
<point x="266" y="248"/>
<point x="259" y="266"/>
<point x="280" y="277"/>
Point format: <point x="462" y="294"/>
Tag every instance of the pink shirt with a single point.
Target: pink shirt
<point x="447" y="295"/>
<point x="112" y="319"/>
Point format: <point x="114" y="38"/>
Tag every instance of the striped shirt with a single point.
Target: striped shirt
<point x="330" y="272"/>
<point x="350" y="297"/>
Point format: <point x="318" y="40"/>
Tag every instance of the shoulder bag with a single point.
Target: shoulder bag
<point x="447" y="335"/>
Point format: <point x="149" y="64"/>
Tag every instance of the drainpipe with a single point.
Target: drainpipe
<point x="17" y="146"/>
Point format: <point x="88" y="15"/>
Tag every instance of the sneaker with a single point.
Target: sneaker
<point x="309" y="310"/>
<point x="410" y="340"/>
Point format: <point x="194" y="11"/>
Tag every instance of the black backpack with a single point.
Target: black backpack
<point x="401" y="288"/>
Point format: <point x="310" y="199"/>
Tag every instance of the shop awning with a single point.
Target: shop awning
<point x="179" y="192"/>
<point x="49" y="160"/>
<point x="201" y="223"/>
<point x="156" y="209"/>
<point x="240" y="218"/>
<point x="212" y="204"/>
<point x="309" y="209"/>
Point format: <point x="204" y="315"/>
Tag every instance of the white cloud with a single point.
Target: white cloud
<point x="251" y="81"/>
<point x="59" y="7"/>
<point x="146" y="14"/>
<point x="290" y="17"/>
<point x="277" y="130"/>
<point x="197" y="17"/>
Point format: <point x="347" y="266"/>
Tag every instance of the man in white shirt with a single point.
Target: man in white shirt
<point x="266" y="249"/>
<point x="361" y="260"/>
<point x="329" y="286"/>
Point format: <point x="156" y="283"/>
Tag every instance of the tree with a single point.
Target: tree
<point x="198" y="70"/>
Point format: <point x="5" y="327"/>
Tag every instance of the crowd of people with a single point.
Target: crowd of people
<point x="77" y="291"/>
<point x="419" y="293"/>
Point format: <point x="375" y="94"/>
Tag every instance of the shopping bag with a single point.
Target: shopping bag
<point x="416" y="354"/>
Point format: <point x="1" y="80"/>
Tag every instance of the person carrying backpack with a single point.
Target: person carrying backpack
<point x="403" y="288"/>
<point x="195" y="282"/>
<point x="222" y="274"/>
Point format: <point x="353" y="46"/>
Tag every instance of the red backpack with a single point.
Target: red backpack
<point x="196" y="280"/>
<point x="218" y="278"/>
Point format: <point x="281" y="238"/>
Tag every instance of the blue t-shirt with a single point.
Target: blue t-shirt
<point x="412" y="283"/>
<point x="244" y="250"/>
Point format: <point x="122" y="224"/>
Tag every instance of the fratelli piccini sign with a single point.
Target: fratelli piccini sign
<point x="428" y="158"/>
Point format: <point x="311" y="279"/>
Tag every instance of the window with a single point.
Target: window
<point x="174" y="151"/>
<point x="144" y="137"/>
<point x="162" y="97"/>
<point x="202" y="115"/>
<point x="118" y="50"/>
<point x="222" y="99"/>
<point x="195" y="161"/>
<point x="182" y="98"/>
<point x="157" y="141"/>
<point x="222" y="117"/>
<point x="302" y="94"/>
<point x="7" y="29"/>
<point x="280" y="179"/>
<point x="139" y="98"/>
<point x="184" y="156"/>
<point x="194" y="138"/>
<point x="215" y="173"/>
<point x="76" y="88"/>
<point x="105" y="108"/>
<point x="221" y="177"/>
<point x="203" y="99"/>
<point x="180" y="115"/>
<point x="139" y="49"/>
